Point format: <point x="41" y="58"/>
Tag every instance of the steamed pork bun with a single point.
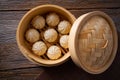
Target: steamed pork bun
<point x="50" y="35"/>
<point x="52" y="19"/>
<point x="64" y="27"/>
<point x="64" y="41"/>
<point x="32" y="35"/>
<point x="38" y="22"/>
<point x="39" y="48"/>
<point x="54" y="52"/>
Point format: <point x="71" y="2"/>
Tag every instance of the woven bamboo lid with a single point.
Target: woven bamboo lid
<point x="93" y="42"/>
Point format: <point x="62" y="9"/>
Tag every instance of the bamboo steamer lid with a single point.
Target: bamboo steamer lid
<point x="93" y="42"/>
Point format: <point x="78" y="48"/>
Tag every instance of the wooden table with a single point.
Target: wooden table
<point x="14" y="66"/>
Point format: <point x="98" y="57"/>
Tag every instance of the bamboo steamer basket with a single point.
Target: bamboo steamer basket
<point x="23" y="26"/>
<point x="92" y="39"/>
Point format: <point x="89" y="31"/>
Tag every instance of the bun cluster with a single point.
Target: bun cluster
<point x="48" y="35"/>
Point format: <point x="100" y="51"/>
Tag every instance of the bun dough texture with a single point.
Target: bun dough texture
<point x="52" y="19"/>
<point x="64" y="41"/>
<point x="38" y="22"/>
<point x="39" y="48"/>
<point x="32" y="35"/>
<point x="64" y="27"/>
<point x="54" y="52"/>
<point x="50" y="35"/>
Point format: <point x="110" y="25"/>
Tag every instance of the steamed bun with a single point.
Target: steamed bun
<point x="32" y="35"/>
<point x="54" y="52"/>
<point x="39" y="48"/>
<point x="64" y="41"/>
<point x="50" y="35"/>
<point x="64" y="27"/>
<point x="52" y="19"/>
<point x="38" y="22"/>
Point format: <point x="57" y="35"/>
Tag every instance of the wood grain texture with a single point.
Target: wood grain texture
<point x="10" y="56"/>
<point x="21" y="74"/>
<point x="69" y="71"/>
<point x="14" y="66"/>
<point x="69" y="4"/>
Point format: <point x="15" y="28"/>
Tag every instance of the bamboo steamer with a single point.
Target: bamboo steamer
<point x="92" y="39"/>
<point x="23" y="26"/>
<point x="94" y="42"/>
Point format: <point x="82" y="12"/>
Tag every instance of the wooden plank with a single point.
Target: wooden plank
<point x="67" y="71"/>
<point x="10" y="56"/>
<point x="8" y="25"/>
<point x="69" y="4"/>
<point x="21" y="74"/>
<point x="14" y="66"/>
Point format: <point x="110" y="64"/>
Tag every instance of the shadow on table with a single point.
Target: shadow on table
<point x="69" y="71"/>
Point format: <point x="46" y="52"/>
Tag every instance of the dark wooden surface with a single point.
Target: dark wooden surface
<point x="14" y="66"/>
